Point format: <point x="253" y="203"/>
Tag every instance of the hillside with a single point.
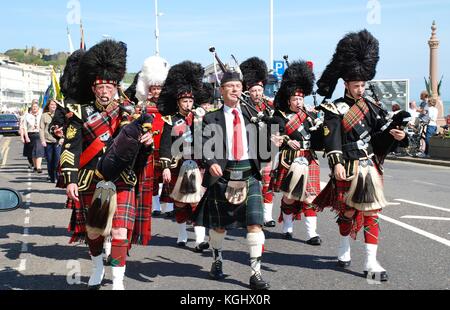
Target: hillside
<point x="40" y="57"/>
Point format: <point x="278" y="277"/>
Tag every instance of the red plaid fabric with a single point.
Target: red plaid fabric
<point x="265" y="104"/>
<point x="125" y="216"/>
<point x="313" y="185"/>
<point x="144" y="199"/>
<point x="355" y="115"/>
<point x="267" y="193"/>
<point x="295" y="122"/>
<point x="102" y="124"/>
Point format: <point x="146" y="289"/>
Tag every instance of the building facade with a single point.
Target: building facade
<point x="21" y="83"/>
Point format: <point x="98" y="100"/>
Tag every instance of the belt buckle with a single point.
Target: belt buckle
<point x="105" y="137"/>
<point x="236" y="175"/>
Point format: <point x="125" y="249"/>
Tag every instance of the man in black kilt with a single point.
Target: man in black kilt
<point x="232" y="179"/>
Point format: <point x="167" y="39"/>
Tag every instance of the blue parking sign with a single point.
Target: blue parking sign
<point x="279" y="67"/>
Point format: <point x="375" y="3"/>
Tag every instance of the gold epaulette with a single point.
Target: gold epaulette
<point x="167" y="120"/>
<point x="330" y="106"/>
<point x="75" y="109"/>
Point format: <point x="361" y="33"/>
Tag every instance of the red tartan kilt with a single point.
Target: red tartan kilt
<point x="266" y="173"/>
<point x="168" y="188"/>
<point x="125" y="213"/>
<point x="313" y="185"/>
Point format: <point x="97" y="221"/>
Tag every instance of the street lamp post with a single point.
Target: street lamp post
<point x="157" y="14"/>
<point x="271" y="35"/>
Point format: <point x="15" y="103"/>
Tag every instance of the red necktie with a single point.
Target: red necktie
<point x="237" y="136"/>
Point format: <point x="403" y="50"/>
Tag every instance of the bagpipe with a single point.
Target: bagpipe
<point x="257" y="117"/>
<point x="117" y="162"/>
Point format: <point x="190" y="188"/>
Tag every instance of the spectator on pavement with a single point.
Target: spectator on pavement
<point x="31" y="136"/>
<point x="51" y="145"/>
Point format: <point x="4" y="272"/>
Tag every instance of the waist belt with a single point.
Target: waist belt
<point x="237" y="175"/>
<point x="362" y="143"/>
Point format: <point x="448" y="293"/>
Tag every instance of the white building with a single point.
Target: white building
<point x="21" y="83"/>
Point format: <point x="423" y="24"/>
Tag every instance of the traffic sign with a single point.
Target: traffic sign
<point x="279" y="67"/>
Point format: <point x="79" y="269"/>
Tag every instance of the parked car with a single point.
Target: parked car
<point x="9" y="124"/>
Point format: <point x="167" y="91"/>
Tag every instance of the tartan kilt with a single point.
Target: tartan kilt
<point x="214" y="211"/>
<point x="123" y="218"/>
<point x="313" y="185"/>
<point x="266" y="173"/>
<point x="157" y="172"/>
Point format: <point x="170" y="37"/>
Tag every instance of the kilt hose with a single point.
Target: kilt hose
<point x="333" y="196"/>
<point x="214" y="211"/>
<point x="313" y="185"/>
<point x="126" y="216"/>
<point x="296" y="209"/>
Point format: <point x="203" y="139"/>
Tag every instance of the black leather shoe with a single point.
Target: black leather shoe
<point x="270" y="224"/>
<point x="170" y="215"/>
<point x="287" y="236"/>
<point x="156" y="213"/>
<point x="181" y="244"/>
<point x="344" y="264"/>
<point x="257" y="283"/>
<point x="383" y="276"/>
<point x="201" y="247"/>
<point x="216" y="272"/>
<point x="316" y="241"/>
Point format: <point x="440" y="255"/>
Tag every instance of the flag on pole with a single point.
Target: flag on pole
<point x="82" y="42"/>
<point x="53" y="92"/>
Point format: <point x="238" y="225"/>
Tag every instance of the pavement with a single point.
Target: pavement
<point x="414" y="243"/>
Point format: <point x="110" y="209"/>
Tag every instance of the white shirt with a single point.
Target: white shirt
<point x="433" y="114"/>
<point x="32" y="123"/>
<point x="229" y="122"/>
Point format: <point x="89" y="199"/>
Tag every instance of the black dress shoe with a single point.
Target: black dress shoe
<point x="383" y="275"/>
<point x="156" y="213"/>
<point x="344" y="264"/>
<point x="270" y="224"/>
<point x="257" y="283"/>
<point x="94" y="287"/>
<point x="316" y="241"/>
<point x="201" y="247"/>
<point x="287" y="236"/>
<point x="170" y="215"/>
<point x="181" y="244"/>
<point x="216" y="272"/>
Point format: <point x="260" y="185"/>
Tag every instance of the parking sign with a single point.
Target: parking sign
<point x="278" y="68"/>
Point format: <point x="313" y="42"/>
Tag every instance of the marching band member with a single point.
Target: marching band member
<point x="357" y="139"/>
<point x="104" y="205"/>
<point x="298" y="173"/>
<point x="181" y="170"/>
<point x="255" y="74"/>
<point x="151" y="80"/>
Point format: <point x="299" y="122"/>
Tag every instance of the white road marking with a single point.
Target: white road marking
<point x="23" y="265"/>
<point x="394" y="203"/>
<point x="25" y="232"/>
<point x="416" y="230"/>
<point x="27" y="212"/>
<point x="27" y="220"/>
<point x="423" y="205"/>
<point x="414" y="217"/>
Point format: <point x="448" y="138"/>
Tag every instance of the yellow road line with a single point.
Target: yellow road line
<point x="4" y="151"/>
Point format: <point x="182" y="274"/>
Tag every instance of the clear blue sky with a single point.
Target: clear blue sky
<point x="303" y="29"/>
